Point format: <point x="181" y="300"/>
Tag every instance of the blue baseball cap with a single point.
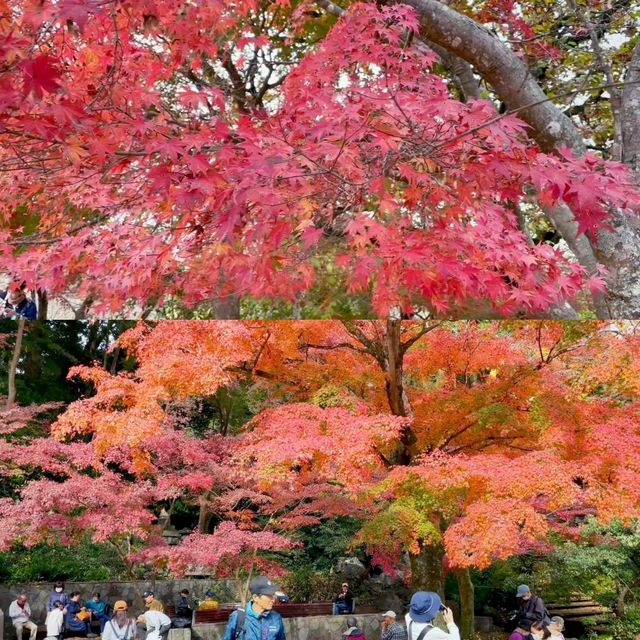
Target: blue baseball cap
<point x="522" y="590"/>
<point x="262" y="586"/>
<point x="424" y="606"/>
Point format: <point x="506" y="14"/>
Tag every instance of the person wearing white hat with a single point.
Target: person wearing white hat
<point x="556" y="627"/>
<point x="391" y="629"/>
<point x="423" y="609"/>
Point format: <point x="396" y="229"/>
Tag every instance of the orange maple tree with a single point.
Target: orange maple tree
<point x="461" y="443"/>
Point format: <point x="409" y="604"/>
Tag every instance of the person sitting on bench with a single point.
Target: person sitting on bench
<point x="98" y="610"/>
<point x="77" y="620"/>
<point x="343" y="602"/>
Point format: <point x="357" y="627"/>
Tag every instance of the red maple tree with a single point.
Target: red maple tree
<point x="137" y="167"/>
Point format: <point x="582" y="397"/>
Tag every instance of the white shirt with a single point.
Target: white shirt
<point x="154" y="620"/>
<point x="414" y="628"/>
<point x="113" y="632"/>
<point x="19" y="614"/>
<point x="54" y="622"/>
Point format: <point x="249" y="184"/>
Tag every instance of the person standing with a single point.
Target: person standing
<point x="353" y="631"/>
<point x="151" y="604"/>
<point x="391" y="628"/>
<point x="20" y="614"/>
<point x="423" y="609"/>
<point x="343" y="602"/>
<point x="532" y="607"/>
<point x="258" y="620"/>
<point x="55" y="621"/>
<point x="121" y="626"/>
<point x="57" y="595"/>
<point x="157" y="624"/>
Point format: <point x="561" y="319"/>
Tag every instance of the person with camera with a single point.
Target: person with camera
<point x="424" y="607"/>
<point x="15" y="304"/>
<point x="343" y="602"/>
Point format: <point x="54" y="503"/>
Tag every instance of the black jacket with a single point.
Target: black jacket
<point x="532" y="609"/>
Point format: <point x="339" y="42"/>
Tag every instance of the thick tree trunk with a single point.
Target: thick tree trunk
<point x="621" y="594"/>
<point x="13" y="365"/>
<point x="619" y="252"/>
<point x="465" y="587"/>
<point x="43" y="304"/>
<point x="631" y="113"/>
<point x="394" y="386"/>
<point x="204" y="516"/>
<point x="393" y="374"/>
<point x="426" y="569"/>
<point x="227" y="308"/>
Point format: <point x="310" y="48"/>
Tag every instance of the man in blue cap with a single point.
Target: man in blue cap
<point x="532" y="608"/>
<point x="258" y="620"/>
<point x="424" y="607"/>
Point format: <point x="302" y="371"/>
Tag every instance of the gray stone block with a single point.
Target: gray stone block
<point x="179" y="634"/>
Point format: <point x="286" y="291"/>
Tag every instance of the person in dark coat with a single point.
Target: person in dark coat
<point x="343" y="602"/>
<point x="532" y="606"/>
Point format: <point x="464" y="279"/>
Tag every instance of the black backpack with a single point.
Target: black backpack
<point x="240" y="624"/>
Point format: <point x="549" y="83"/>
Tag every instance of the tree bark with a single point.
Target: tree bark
<point x="227" y="308"/>
<point x="426" y="569"/>
<point x="466" y="590"/>
<point x="631" y="113"/>
<point x="43" y="304"/>
<point x="394" y="369"/>
<point x="621" y="594"/>
<point x="617" y="250"/>
<point x="13" y="365"/>
<point x="502" y="69"/>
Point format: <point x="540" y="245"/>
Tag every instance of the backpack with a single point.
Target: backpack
<point x="240" y="624"/>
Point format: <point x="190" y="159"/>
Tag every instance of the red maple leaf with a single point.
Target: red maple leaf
<point x="40" y="75"/>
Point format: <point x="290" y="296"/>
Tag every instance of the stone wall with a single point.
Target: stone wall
<point x="311" y="628"/>
<point x="165" y="591"/>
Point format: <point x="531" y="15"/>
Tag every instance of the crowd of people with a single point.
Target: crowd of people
<point x="258" y="620"/>
<point x="532" y="618"/>
<point x="67" y="617"/>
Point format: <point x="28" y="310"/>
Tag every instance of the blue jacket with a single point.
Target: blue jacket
<point x="268" y="622"/>
<point x="96" y="607"/>
<point x="71" y="622"/>
<point x="26" y="309"/>
<point x="63" y="597"/>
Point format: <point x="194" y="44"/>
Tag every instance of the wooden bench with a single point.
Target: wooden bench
<point x="303" y="609"/>
<point x="210" y="616"/>
<point x="285" y="609"/>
